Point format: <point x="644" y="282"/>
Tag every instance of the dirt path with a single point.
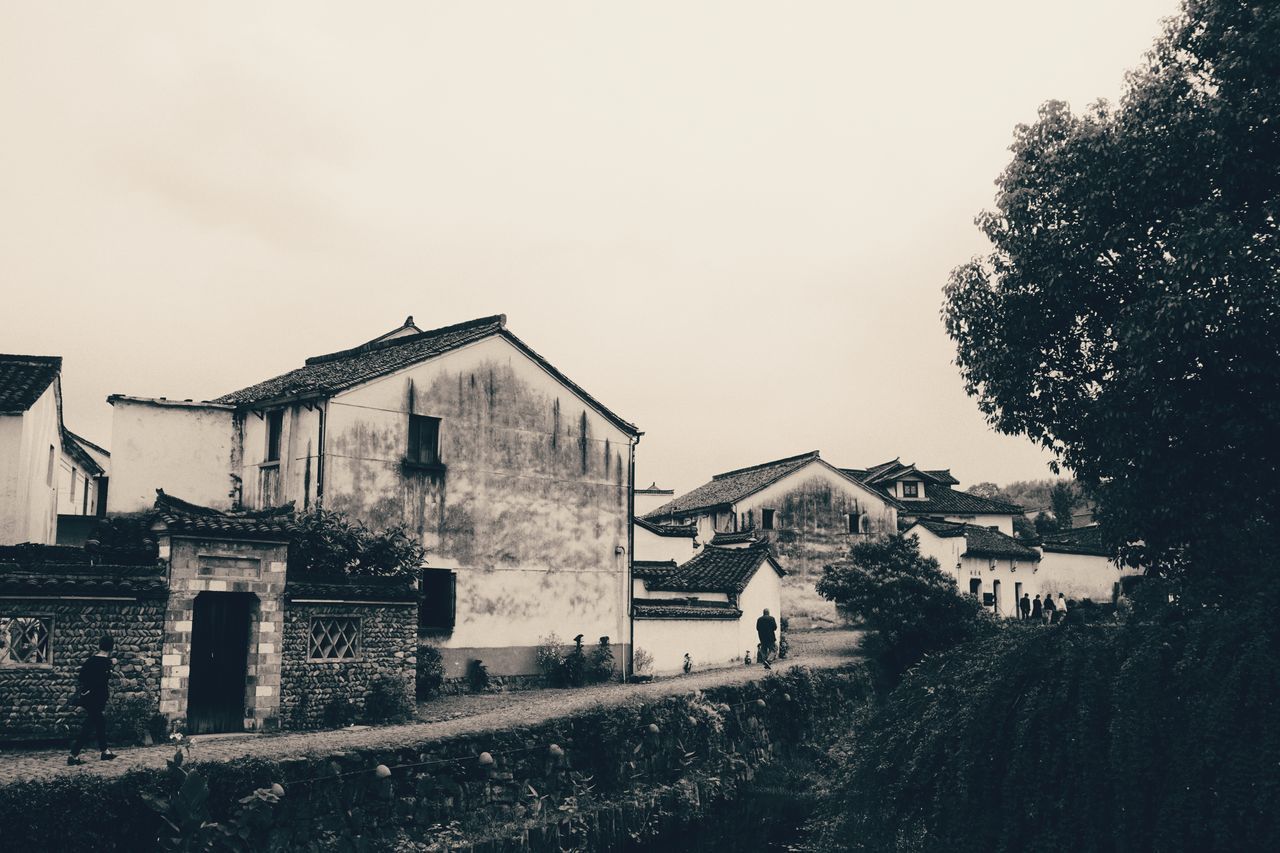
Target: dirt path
<point x="440" y="718"/>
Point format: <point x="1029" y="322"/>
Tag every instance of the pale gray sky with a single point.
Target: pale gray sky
<point x="729" y="221"/>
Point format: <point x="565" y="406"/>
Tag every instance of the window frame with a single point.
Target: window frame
<point x="274" y="437"/>
<point x="442" y="627"/>
<point x="6" y="660"/>
<point x="767" y="518"/>
<point x="414" y="442"/>
<point x="911" y="488"/>
<point x="359" y="643"/>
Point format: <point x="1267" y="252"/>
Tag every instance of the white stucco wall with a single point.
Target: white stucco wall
<point x="710" y="643"/>
<point x="763" y="590"/>
<point x="29" y="502"/>
<point x="183" y="448"/>
<point x="651" y="546"/>
<point x="647" y="503"/>
<point x="298" y="466"/>
<point x="883" y="516"/>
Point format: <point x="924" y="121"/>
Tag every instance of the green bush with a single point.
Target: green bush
<point x="338" y="712"/>
<point x="1156" y="733"/>
<point x="324" y="543"/>
<point x="600" y="668"/>
<point x="909" y="607"/>
<point x="549" y="660"/>
<point x="387" y="701"/>
<point x="131" y="721"/>
<point x="430" y="675"/>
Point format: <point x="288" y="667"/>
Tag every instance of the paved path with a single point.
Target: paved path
<point x="440" y="718"/>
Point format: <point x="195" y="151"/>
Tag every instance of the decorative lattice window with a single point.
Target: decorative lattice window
<point x="24" y="640"/>
<point x="334" y="637"/>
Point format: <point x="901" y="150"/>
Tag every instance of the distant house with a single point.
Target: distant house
<point x="1000" y="570"/>
<point x="651" y="497"/>
<point x="986" y="563"/>
<point x="930" y="494"/>
<point x="663" y="542"/>
<point x="705" y="608"/>
<point x="45" y="469"/>
<point x="515" y="479"/>
<point x="807" y="509"/>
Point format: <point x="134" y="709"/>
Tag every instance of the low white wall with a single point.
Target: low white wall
<point x="184" y="449"/>
<point x="709" y="642"/>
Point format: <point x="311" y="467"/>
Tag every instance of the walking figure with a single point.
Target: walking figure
<point x="1025" y="606"/>
<point x="91" y="694"/>
<point x="767" y="630"/>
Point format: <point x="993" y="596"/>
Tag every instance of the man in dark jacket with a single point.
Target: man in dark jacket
<point x="767" y="630"/>
<point x="91" y="694"/>
<point x="1025" y="606"/>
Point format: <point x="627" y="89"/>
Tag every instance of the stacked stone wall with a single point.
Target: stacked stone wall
<point x="34" y="699"/>
<point x="315" y="691"/>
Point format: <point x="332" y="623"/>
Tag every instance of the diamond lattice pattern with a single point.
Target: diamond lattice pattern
<point x="24" y="639"/>
<point x="335" y="637"/>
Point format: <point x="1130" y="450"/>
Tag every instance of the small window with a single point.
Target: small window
<point x="48" y="477"/>
<point x="911" y="489"/>
<point x="975" y="586"/>
<point x="25" y="641"/>
<point x="275" y="427"/>
<point x="334" y="638"/>
<point x="855" y="522"/>
<point x="424" y="440"/>
<point x="766" y="519"/>
<point x="437" y="604"/>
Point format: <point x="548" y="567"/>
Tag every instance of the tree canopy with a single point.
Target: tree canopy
<point x="1128" y="314"/>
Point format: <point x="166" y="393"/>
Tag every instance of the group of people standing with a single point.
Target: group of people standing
<point x="1047" y="611"/>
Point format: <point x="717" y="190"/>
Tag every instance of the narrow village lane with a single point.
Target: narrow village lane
<point x="439" y="718"/>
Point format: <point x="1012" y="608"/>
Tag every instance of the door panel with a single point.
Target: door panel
<point x="219" y="662"/>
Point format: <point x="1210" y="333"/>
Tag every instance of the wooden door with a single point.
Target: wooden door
<point x="219" y="662"/>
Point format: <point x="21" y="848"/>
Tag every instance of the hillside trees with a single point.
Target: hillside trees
<point x="1126" y="317"/>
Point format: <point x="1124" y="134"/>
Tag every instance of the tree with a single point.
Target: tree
<point x="985" y="490"/>
<point x="1126" y="315"/>
<point x="1063" y="498"/>
<point x="909" y="606"/>
<point x="1045" y="524"/>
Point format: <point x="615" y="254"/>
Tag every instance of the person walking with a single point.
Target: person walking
<point x="1050" y="610"/>
<point x="1062" y="608"/>
<point x="1025" y="606"/>
<point x="1037" y="609"/>
<point x="91" y="694"/>
<point x="767" y="631"/>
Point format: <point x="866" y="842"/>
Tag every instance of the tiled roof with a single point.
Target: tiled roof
<point x="940" y="500"/>
<point x="894" y="469"/>
<point x="23" y="378"/>
<point x="678" y="608"/>
<point x="81" y="579"/>
<point x="179" y="516"/>
<point x="1082" y="540"/>
<point x="735" y="538"/>
<point x="731" y="486"/>
<point x="72" y="448"/>
<point x="981" y="541"/>
<point x="717" y="570"/>
<point x="353" y="589"/>
<point x="687" y="531"/>
<point x="324" y="375"/>
<point x="652" y="569"/>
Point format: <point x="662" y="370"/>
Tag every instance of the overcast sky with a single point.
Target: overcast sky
<point x="731" y="222"/>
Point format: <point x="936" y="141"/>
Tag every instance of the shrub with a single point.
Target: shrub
<point x="574" y="666"/>
<point x="909" y="607"/>
<point x="430" y="675"/>
<point x="338" y="712"/>
<point x="548" y="658"/>
<point x="131" y="721"/>
<point x="387" y="701"/>
<point x="1154" y="734"/>
<point x="329" y="544"/>
<point x="478" y="676"/>
<point x="600" y="667"/>
<point x="641" y="662"/>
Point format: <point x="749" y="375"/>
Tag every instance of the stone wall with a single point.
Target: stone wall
<point x="34" y="698"/>
<point x="388" y="643"/>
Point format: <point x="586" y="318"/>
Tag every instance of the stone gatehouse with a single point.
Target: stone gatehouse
<point x="214" y="635"/>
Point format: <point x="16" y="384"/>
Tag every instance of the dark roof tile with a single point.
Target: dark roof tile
<point x="981" y="541"/>
<point x="652" y="569"/>
<point x="940" y="500"/>
<point x="687" y="531"/>
<point x="353" y="589"/>
<point x="23" y="378"/>
<point x="716" y="569"/>
<point x="732" y="486"/>
<point x="679" y="608"/>
<point x="174" y="515"/>
<point x="1091" y="541"/>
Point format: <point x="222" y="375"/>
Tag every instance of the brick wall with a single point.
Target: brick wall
<point x="388" y="642"/>
<point x="33" y="699"/>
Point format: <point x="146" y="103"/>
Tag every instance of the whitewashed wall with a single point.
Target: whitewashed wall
<point x="710" y="643"/>
<point x="651" y="546"/>
<point x="28" y="506"/>
<point x="183" y="448"/>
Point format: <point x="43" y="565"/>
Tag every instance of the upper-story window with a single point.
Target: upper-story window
<point x="424" y="440"/>
<point x="275" y="429"/>
<point x="766" y="519"/>
<point x="910" y="489"/>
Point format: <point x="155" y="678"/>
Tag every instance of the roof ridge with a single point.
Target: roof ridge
<point x="19" y="358"/>
<point x="812" y="454"/>
<point x="376" y="344"/>
<point x="83" y="440"/>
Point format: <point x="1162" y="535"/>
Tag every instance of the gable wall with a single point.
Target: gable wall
<point x="28" y="503"/>
<point x="185" y="450"/>
<point x="532" y="511"/>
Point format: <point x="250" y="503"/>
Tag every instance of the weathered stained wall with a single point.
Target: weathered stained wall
<point x="388" y="639"/>
<point x="33" y="699"/>
<point x="28" y="504"/>
<point x="298" y="468"/>
<point x="530" y="509"/>
<point x="183" y="448"/>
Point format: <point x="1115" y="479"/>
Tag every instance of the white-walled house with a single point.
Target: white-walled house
<point x="515" y="479"/>
<point x="44" y="468"/>
<point x="650" y="498"/>
<point x="1000" y="570"/>
<point x="810" y="511"/>
<point x="707" y="607"/>
<point x="663" y="542"/>
<point x="923" y="493"/>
